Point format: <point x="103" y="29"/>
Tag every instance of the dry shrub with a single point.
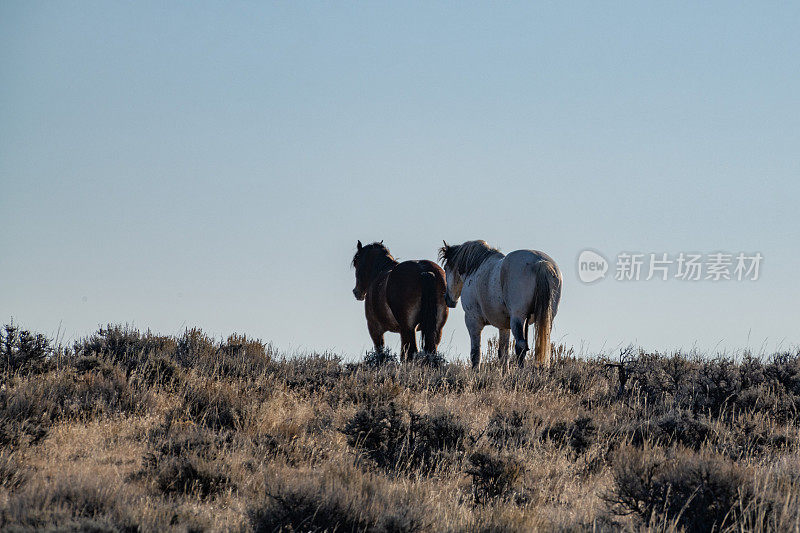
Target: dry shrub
<point x="209" y="419"/>
<point x="365" y="387"/>
<point x="182" y="459"/>
<point x="493" y="475"/>
<point x="684" y="428"/>
<point x="341" y="499"/>
<point x="312" y="374"/>
<point x="696" y="492"/>
<point x="123" y="345"/>
<point x="578" y="434"/>
<point x="674" y="427"/>
<point x="719" y="383"/>
<point x="188" y="475"/>
<point x="90" y="363"/>
<point x="379" y="358"/>
<point x="775" y="501"/>
<point x="503" y="518"/>
<point x="574" y="375"/>
<point x="238" y="357"/>
<point x="431" y="359"/>
<point x="243" y="358"/>
<point x="381" y="431"/>
<point x="157" y="370"/>
<point x="435" y="438"/>
<point x="156" y="358"/>
<point x="716" y="386"/>
<point x="70" y="502"/>
<point x="215" y="404"/>
<point x="30" y="405"/>
<point x="12" y="470"/>
<point x="419" y="378"/>
<point x="399" y="439"/>
<point x="784" y="370"/>
<point x="15" y="432"/>
<point x="510" y="428"/>
<point x="22" y="351"/>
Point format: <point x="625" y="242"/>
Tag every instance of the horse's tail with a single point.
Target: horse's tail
<point x="546" y="279"/>
<point x="428" y="312"/>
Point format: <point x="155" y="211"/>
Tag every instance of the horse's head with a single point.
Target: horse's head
<point x="368" y="262"/>
<point x="454" y="280"/>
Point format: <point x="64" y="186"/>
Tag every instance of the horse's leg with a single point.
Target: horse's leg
<point x="376" y="332"/>
<point x="474" y="326"/>
<point x="520" y="344"/>
<point x="408" y="344"/>
<point x="502" y="345"/>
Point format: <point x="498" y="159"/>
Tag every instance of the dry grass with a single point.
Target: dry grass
<point x="139" y="432"/>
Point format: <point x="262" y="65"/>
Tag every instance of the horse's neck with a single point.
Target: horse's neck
<point x="489" y="264"/>
<point x="380" y="272"/>
<point x="388" y="264"/>
<point x="488" y="271"/>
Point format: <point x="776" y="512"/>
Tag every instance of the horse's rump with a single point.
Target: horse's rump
<point x="531" y="285"/>
<point x="406" y="290"/>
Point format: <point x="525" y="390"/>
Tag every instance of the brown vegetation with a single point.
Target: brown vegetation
<point x="140" y="432"/>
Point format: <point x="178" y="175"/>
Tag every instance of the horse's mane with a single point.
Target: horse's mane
<point x="467" y="257"/>
<point x="379" y="256"/>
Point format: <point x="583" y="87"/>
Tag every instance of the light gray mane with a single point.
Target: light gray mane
<point x="467" y="257"/>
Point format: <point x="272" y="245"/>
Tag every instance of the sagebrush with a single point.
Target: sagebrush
<point x="130" y="430"/>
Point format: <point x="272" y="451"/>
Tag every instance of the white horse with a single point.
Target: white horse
<point x="506" y="291"/>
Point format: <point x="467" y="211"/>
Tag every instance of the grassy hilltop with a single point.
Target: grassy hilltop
<point x="139" y="432"/>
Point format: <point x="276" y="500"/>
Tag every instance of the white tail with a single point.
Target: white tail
<point x="542" y="311"/>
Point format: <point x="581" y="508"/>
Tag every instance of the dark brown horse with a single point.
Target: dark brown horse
<point x="400" y="297"/>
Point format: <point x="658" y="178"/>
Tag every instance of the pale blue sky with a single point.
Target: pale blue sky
<point x="213" y="164"/>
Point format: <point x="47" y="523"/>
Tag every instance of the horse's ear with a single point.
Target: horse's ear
<point x="359" y="245"/>
<point x="381" y="241"/>
<point x="445" y="243"/>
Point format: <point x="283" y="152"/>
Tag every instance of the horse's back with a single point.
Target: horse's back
<point x="519" y="258"/>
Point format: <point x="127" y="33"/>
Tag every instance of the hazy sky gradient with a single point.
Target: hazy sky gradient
<point x="213" y="164"/>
